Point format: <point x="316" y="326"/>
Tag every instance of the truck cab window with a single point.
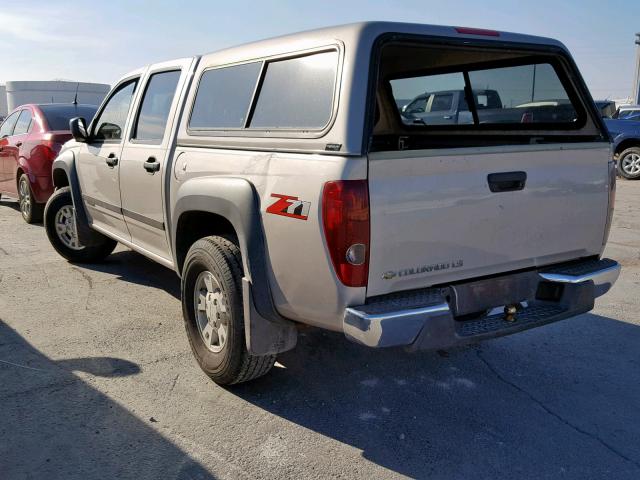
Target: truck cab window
<point x="156" y="104"/>
<point x="442" y="102"/>
<point x="110" y="123"/>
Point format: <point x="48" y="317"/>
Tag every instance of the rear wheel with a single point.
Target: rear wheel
<point x="60" y="224"/>
<point x="629" y="163"/>
<point x="213" y="312"/>
<point x="30" y="210"/>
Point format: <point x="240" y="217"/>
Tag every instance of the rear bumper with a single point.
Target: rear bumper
<point x="432" y="318"/>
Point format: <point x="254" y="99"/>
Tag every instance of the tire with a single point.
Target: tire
<point x="213" y="313"/>
<point x="59" y="212"/>
<point x="30" y="210"/>
<point x="629" y="163"/>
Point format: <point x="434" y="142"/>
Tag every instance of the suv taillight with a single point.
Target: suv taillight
<point x="345" y="217"/>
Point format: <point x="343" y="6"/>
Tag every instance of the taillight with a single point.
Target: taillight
<point x="53" y="144"/>
<point x="345" y="217"/>
<point x="527" y="117"/>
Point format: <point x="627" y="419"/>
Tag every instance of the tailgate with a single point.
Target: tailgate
<point x="435" y="218"/>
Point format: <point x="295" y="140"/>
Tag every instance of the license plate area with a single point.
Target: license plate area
<point x="483" y="295"/>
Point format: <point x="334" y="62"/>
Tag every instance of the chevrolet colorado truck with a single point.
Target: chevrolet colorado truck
<point x="280" y="182"/>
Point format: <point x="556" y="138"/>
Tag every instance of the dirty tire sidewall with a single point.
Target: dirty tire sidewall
<point x="100" y="247"/>
<point x="233" y="364"/>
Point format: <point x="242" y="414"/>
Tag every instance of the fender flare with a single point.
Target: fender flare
<point x="623" y="137"/>
<point x="66" y="162"/>
<point x="236" y="199"/>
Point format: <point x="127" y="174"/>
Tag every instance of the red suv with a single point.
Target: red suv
<point x="30" y="139"/>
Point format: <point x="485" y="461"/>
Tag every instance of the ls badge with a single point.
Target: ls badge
<point x="289" y="206"/>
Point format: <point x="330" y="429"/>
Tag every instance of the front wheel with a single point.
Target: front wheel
<point x="60" y="224"/>
<point x="31" y="210"/>
<point x="213" y="312"/>
<point x="629" y="163"/>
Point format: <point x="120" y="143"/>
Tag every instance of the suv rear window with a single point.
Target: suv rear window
<point x="58" y="116"/>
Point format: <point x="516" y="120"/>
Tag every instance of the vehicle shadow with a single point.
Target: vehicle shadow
<point x="54" y="425"/>
<point x="563" y="400"/>
<point x="13" y="204"/>
<point x="132" y="267"/>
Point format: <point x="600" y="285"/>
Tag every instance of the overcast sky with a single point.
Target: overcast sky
<point x="100" y="41"/>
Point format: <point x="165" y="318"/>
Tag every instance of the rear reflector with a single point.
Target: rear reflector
<point x="477" y="31"/>
<point x="345" y="218"/>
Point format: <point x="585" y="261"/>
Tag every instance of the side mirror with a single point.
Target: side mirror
<point x="78" y="129"/>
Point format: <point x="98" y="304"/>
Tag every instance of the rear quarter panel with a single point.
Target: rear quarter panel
<point x="303" y="284"/>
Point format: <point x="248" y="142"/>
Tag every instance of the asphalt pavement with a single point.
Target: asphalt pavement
<point x="97" y="382"/>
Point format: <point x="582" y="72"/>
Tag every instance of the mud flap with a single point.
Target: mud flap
<point x="66" y="162"/>
<point x="265" y="337"/>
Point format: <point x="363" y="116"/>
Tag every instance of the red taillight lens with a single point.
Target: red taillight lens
<point x="527" y="117"/>
<point x="345" y="217"/>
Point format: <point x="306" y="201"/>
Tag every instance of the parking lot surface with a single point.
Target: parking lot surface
<point x="97" y="381"/>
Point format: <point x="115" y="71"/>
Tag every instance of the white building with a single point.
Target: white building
<point x="3" y="101"/>
<point x="17" y="93"/>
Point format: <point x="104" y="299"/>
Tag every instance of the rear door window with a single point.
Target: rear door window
<point x="23" y="123"/>
<point x="156" y="104"/>
<point x="297" y="93"/>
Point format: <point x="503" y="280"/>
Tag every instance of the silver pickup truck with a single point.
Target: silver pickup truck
<point x="281" y="184"/>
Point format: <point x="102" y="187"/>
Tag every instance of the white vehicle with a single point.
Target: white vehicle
<point x="280" y="182"/>
<point x="625" y="111"/>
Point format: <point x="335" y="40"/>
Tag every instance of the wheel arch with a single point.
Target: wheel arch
<point x="64" y="174"/>
<point x="625" y="144"/>
<point x="230" y="207"/>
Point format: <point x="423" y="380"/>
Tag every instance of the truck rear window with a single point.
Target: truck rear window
<point x="514" y="95"/>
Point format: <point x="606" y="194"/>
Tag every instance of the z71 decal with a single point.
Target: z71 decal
<point x="289" y="206"/>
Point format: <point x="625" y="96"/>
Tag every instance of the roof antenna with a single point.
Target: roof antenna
<point x="75" y="98"/>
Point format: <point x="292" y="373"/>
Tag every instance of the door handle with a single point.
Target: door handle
<point x="507" y="181"/>
<point x="151" y="165"/>
<point x="18" y="144"/>
<point x="112" y="160"/>
<point x="448" y="117"/>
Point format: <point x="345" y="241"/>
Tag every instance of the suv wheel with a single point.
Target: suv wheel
<point x="629" y="163"/>
<point x="213" y="312"/>
<point x="60" y="224"/>
<point x="31" y="211"/>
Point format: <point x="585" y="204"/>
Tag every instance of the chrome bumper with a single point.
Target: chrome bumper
<point x="426" y="320"/>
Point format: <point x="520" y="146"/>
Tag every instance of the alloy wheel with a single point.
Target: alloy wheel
<point x="65" y="222"/>
<point x="24" y="196"/>
<point x="212" y="316"/>
<point x="631" y="164"/>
